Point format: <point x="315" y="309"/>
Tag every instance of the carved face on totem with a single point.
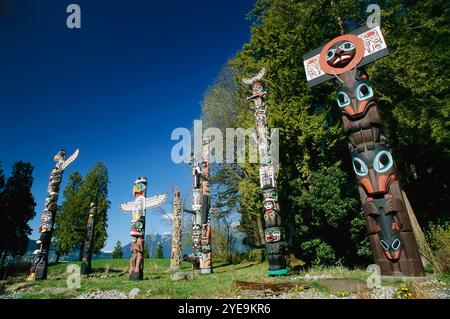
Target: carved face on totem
<point x="60" y="156"/>
<point x="140" y="186"/>
<point x="272" y="234"/>
<point x="389" y="234"/>
<point x="258" y="88"/>
<point x="137" y="229"/>
<point x="355" y="96"/>
<point x="375" y="170"/>
<point x="340" y="54"/>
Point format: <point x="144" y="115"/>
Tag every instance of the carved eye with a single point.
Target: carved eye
<point x="330" y="54"/>
<point x="343" y="99"/>
<point x="396" y="244"/>
<point x="363" y="92"/>
<point x="347" y="46"/>
<point x="383" y="161"/>
<point x="384" y="244"/>
<point x="359" y="167"/>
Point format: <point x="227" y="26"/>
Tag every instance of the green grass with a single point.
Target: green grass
<point x="156" y="283"/>
<point x="113" y="274"/>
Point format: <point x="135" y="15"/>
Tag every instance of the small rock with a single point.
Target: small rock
<point x="134" y="292"/>
<point x="182" y="276"/>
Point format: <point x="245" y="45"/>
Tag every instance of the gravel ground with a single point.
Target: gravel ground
<point x="105" y="294"/>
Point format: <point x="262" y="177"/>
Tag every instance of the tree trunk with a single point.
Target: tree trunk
<point x="80" y="256"/>
<point x="58" y="255"/>
<point x="261" y="238"/>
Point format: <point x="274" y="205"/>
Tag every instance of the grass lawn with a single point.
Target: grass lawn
<point x="112" y="274"/>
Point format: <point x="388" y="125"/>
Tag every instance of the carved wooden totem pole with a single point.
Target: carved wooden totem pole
<point x="39" y="262"/>
<point x="389" y="227"/>
<point x="205" y="257"/>
<point x="175" y="262"/>
<point x="196" y="213"/>
<point x="86" y="265"/>
<point x="137" y="209"/>
<point x="275" y="244"/>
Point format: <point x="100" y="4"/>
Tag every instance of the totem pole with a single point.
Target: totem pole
<point x="205" y="257"/>
<point x="389" y="227"/>
<point x="275" y="245"/>
<point x="86" y="265"/>
<point x="137" y="209"/>
<point x="196" y="213"/>
<point x="175" y="262"/>
<point x="39" y="263"/>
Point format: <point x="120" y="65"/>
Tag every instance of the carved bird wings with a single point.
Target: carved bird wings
<point x="150" y="202"/>
<point x="256" y="78"/>
<point x="69" y="161"/>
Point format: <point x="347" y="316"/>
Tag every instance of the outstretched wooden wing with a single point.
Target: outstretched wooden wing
<point x="155" y="201"/>
<point x="256" y="78"/>
<point x="127" y="207"/>
<point x="69" y="161"/>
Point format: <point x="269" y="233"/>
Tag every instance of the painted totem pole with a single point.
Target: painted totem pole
<point x="205" y="257"/>
<point x="86" y="265"/>
<point x="39" y="262"/>
<point x="389" y="227"/>
<point x="137" y="209"/>
<point x="275" y="245"/>
<point x="175" y="262"/>
<point x="196" y="213"/>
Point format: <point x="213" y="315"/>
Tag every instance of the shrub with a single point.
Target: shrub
<point x="318" y="253"/>
<point x="438" y="237"/>
<point x="257" y="254"/>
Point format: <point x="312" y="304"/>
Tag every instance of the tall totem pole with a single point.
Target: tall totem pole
<point x="175" y="261"/>
<point x="196" y="214"/>
<point x="389" y="227"/>
<point x="39" y="262"/>
<point x="137" y="209"/>
<point x="86" y="265"/>
<point x="205" y="257"/>
<point x="275" y="244"/>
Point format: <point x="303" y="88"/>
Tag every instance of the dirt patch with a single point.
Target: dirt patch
<point x="335" y="285"/>
<point x="272" y="286"/>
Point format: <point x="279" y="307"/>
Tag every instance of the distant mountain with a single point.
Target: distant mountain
<point x="72" y="256"/>
<point x="152" y="241"/>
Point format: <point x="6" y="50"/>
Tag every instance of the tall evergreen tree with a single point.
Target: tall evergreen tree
<point x="19" y="207"/>
<point x="70" y="220"/>
<point x="118" y="251"/>
<point x="78" y="195"/>
<point x="159" y="254"/>
<point x="146" y="253"/>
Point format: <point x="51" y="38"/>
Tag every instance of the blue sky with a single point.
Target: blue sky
<point x="116" y="88"/>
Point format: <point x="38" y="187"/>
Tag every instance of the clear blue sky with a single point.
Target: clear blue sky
<point x="116" y="88"/>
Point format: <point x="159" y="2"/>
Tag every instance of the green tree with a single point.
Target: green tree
<point x="78" y="195"/>
<point x="146" y="251"/>
<point x="118" y="251"/>
<point x="69" y="230"/>
<point x="18" y="208"/>
<point x="159" y="251"/>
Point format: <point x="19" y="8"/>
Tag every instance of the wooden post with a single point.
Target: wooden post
<point x="86" y="265"/>
<point x="175" y="262"/>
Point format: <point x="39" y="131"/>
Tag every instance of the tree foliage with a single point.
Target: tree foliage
<point x="159" y="254"/>
<point x="118" y="251"/>
<point x="17" y="209"/>
<point x="71" y="221"/>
